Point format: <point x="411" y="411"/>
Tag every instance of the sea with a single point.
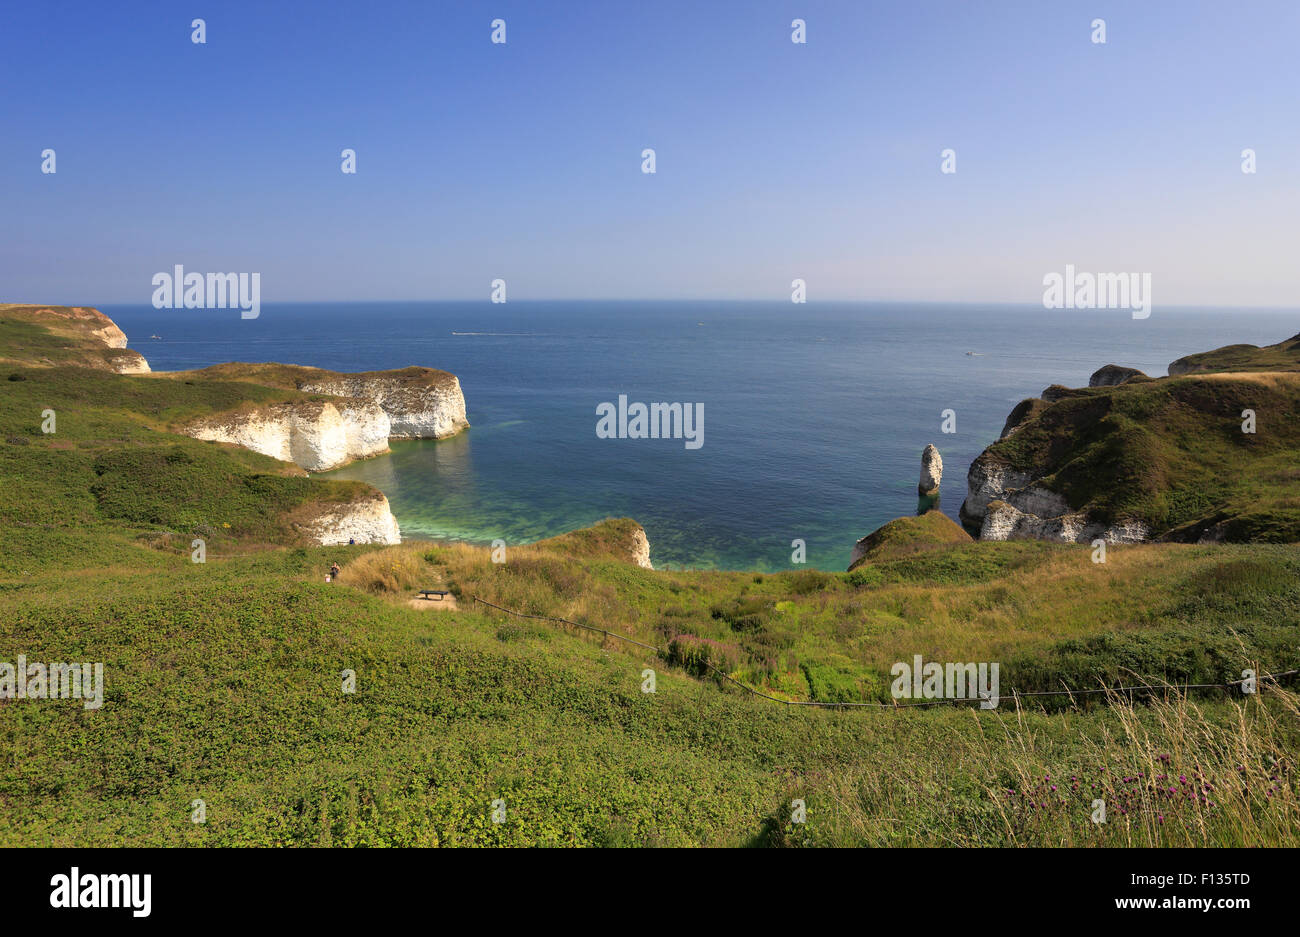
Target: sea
<point x="814" y="415"/>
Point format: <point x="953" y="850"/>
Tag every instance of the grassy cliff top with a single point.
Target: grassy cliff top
<point x="49" y="336"/>
<point x="294" y="377"/>
<point x="1284" y="356"/>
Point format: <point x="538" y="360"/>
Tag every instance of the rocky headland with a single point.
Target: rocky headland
<point x="51" y="336"/>
<point x="1132" y="458"/>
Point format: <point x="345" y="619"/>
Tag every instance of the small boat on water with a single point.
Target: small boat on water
<point x="975" y="354"/>
<point x="158" y="337"/>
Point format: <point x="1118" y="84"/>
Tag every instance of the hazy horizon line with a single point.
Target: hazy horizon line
<point x="653" y="299"/>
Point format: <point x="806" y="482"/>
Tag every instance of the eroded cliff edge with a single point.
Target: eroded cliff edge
<point x="50" y="336"/>
<point x="1207" y="454"/>
<point x="334" y="418"/>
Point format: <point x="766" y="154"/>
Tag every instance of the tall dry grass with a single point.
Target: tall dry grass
<point x="1173" y="772"/>
<point x="392" y="571"/>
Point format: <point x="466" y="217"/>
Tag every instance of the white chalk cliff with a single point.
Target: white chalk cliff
<point x="1007" y="504"/>
<point x="421" y="403"/>
<point x="366" y="411"/>
<point x="314" y="435"/>
<point x="1003" y="521"/>
<point x="365" y="520"/>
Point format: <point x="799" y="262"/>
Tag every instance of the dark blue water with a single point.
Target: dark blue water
<point x="815" y="415"/>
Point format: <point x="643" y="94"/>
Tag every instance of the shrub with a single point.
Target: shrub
<point x="809" y="580"/>
<point x="700" y="656"/>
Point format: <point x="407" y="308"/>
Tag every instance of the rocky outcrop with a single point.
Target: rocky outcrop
<point x="315" y="435"/>
<point x="367" y="519"/>
<point x="1112" y="374"/>
<point x="82" y="321"/>
<point x="989" y="479"/>
<point x="1004" y="521"/>
<point x="1022" y="413"/>
<point x="931" y="471"/>
<point x="1004" y="503"/>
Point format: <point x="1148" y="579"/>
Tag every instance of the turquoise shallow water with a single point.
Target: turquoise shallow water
<point x="815" y="415"/>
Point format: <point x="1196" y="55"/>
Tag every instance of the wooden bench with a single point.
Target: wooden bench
<point x="440" y="593"/>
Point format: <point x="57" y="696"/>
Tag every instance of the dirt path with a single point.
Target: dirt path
<point x="446" y="604"/>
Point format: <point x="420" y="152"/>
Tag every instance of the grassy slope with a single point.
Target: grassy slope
<point x="907" y="536"/>
<point x="223" y="678"/>
<point x="31" y="343"/>
<point x="224" y="684"/>
<point x="1284" y="356"/>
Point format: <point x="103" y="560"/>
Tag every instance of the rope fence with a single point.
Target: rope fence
<point x="1014" y="694"/>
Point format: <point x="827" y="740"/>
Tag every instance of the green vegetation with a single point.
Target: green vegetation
<point x="908" y="535"/>
<point x="112" y="460"/>
<point x="224" y="680"/>
<point x="224" y="684"/>
<point x="1284" y="356"/>
<point x="28" y="342"/>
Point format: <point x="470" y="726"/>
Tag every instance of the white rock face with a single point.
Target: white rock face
<point x="315" y="436"/>
<point x="415" y="411"/>
<point x="1003" y="521"/>
<point x="1037" y="498"/>
<point x="988" y="480"/>
<point x="130" y="362"/>
<point x="110" y="335"/>
<point x="369" y="520"/>
<point x="1011" y="505"/>
<point x="931" y="471"/>
<point x="641" y="549"/>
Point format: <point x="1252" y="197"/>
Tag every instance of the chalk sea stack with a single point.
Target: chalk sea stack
<point x="931" y="471"/>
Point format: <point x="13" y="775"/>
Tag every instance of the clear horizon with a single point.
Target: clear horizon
<point x="774" y="160"/>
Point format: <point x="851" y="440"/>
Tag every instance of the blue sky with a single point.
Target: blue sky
<point x="775" y="160"/>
